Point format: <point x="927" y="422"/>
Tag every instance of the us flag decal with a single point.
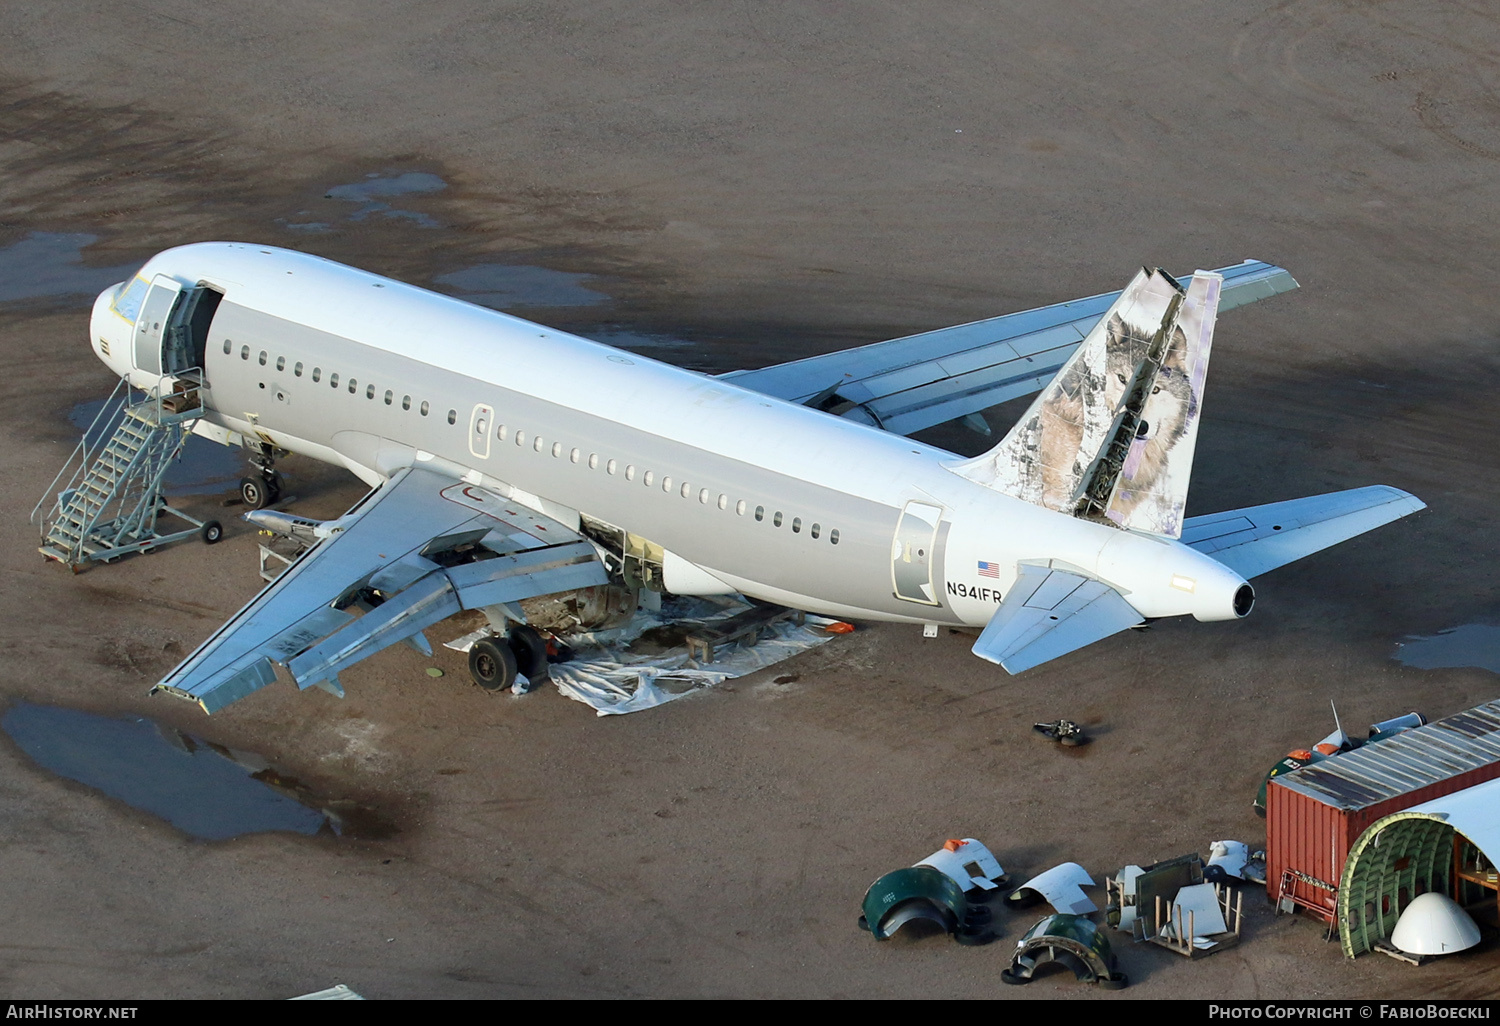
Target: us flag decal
<point x="989" y="569"/>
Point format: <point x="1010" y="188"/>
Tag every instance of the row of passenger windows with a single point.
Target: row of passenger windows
<point x="649" y="479"/>
<point x="575" y="455"/>
<point x="333" y="381"/>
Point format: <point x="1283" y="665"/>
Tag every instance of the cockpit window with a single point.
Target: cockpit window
<point x="128" y="301"/>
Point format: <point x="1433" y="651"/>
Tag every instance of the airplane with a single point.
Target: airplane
<point x="509" y="461"/>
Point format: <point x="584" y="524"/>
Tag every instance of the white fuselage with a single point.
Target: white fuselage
<point x="746" y="492"/>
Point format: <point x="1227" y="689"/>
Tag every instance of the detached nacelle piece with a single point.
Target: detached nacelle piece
<point x="923" y="893"/>
<point x="1069" y="940"/>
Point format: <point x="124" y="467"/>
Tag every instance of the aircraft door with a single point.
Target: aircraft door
<point x="155" y="311"/>
<point x="480" y="423"/>
<point x="913" y="552"/>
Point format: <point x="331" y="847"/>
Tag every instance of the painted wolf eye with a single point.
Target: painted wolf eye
<point x="1121" y="377"/>
<point x="1155" y="389"/>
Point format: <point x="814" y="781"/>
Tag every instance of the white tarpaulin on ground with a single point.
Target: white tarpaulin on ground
<point x="607" y="675"/>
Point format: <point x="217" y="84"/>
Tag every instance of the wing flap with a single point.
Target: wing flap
<point x="907" y="384"/>
<point x="1050" y="613"/>
<point x="1261" y="538"/>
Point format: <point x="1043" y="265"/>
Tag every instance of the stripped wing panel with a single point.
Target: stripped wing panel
<point x="413" y="552"/>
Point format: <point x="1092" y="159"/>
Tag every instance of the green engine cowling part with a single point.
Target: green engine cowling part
<point x="921" y="892"/>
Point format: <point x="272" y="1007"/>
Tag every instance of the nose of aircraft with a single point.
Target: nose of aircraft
<point x="109" y="334"/>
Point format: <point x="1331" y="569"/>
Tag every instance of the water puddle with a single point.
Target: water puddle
<point x="1473" y="644"/>
<point x="371" y="193"/>
<point x="46" y="264"/>
<point x="203" y="468"/>
<point x="506" y="286"/>
<point x="202" y="789"/>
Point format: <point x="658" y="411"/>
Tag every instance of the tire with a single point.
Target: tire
<point x="254" y="493"/>
<point x="211" y="532"/>
<point x="530" y="651"/>
<point x="492" y="665"/>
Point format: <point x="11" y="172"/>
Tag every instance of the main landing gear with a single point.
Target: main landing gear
<point x="263" y="487"/>
<point x="495" y="661"/>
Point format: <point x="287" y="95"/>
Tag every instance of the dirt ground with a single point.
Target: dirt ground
<point x="760" y="182"/>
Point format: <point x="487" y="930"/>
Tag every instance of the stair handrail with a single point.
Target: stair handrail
<point x="81" y="454"/>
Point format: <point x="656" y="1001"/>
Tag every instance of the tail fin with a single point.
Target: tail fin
<point x="1112" y="437"/>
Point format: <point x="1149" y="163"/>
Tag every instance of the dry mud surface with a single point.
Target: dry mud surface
<point x="725" y="185"/>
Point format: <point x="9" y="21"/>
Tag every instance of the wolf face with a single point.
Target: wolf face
<point x="1168" y="412"/>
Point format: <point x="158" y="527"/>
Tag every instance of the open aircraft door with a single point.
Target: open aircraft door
<point x="156" y="310"/>
<point x="913" y="552"/>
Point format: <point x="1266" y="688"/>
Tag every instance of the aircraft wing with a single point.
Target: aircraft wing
<point x="907" y="384"/>
<point x="415" y="551"/>
<point x="1260" y="538"/>
<point x="1050" y="613"/>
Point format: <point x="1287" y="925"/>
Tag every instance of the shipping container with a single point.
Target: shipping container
<point x="1315" y="814"/>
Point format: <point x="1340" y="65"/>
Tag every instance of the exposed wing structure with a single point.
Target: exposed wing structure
<point x="419" y="549"/>
<point x="907" y="384"/>
<point x="1050" y="613"/>
<point x="1261" y="538"/>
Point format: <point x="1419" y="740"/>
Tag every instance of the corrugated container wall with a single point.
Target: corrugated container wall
<point x="1315" y="814"/>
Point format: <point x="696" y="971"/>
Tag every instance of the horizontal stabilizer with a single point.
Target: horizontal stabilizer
<point x="1050" y="613"/>
<point x="1261" y="538"/>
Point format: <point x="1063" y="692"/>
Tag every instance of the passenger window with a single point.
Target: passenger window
<point x="686" y="490"/>
<point x="333" y="380"/>
<point x="244" y="352"/>
<point x="317" y="374"/>
<point x="796" y="525"/>
<point x="500" y="433"/>
<point x="814" y="532"/>
<point x="593" y="461"/>
<point x="424" y="407"/>
<point x="703" y="496"/>
<point x="520" y="438"/>
<point x="776" y="520"/>
<point x="353" y="386"/>
<point x="406" y="402"/>
<point x="452" y="416"/>
<point x="739" y="508"/>
<point x="649" y="478"/>
<point x="263" y="355"/>
<point x="666" y="484"/>
<point x="281" y="363"/>
<point x="297" y="370"/>
<point x="609" y="468"/>
<point x="630" y="472"/>
<point x="760" y="513"/>
<point x="556" y="449"/>
<point x="575" y="456"/>
<point x="370" y="392"/>
<point x="833" y="536"/>
<point x="723" y="501"/>
<point x="389" y="397"/>
<point x="536" y="444"/>
<point x="228" y="345"/>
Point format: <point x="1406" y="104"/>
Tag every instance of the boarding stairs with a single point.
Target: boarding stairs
<point x="112" y="503"/>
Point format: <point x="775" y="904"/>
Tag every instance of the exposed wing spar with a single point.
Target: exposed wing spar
<point x="417" y="550"/>
<point x="907" y="384"/>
